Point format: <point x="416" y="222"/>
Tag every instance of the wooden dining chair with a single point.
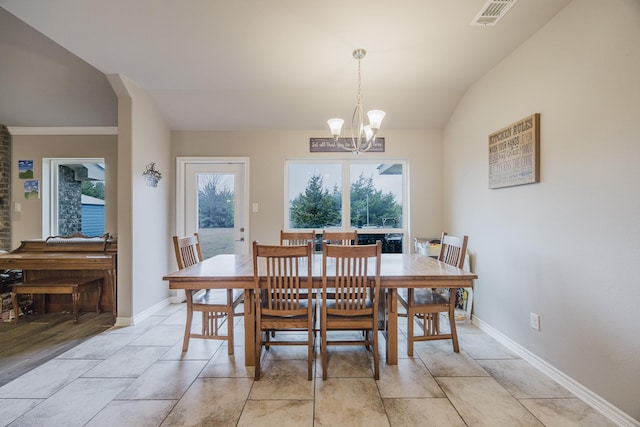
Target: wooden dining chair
<point x="216" y="305"/>
<point x="292" y="238"/>
<point x="281" y="274"/>
<point x="355" y="288"/>
<point x="340" y="237"/>
<point x="424" y="306"/>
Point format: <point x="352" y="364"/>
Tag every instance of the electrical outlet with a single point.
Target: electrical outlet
<point x="534" y="321"/>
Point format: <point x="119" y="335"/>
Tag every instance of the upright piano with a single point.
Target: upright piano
<point x="75" y="256"/>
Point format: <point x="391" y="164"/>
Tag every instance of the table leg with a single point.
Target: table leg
<point x="249" y="329"/>
<point x="187" y="327"/>
<point x="392" y="326"/>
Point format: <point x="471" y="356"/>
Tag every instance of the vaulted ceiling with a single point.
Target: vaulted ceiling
<point x="252" y="64"/>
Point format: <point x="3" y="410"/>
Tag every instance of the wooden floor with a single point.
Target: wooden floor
<point x="39" y="338"/>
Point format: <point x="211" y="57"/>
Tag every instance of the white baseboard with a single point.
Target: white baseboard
<point x="177" y="296"/>
<point x="129" y="321"/>
<point x="581" y="392"/>
<point x="151" y="310"/>
<point x="123" y="321"/>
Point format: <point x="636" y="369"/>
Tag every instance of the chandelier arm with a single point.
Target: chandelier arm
<point x="357" y="122"/>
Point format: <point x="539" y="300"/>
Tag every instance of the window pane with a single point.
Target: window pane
<point x="315" y="195"/>
<point x="80" y="198"/>
<point x="216" y="201"/>
<point x="376" y="195"/>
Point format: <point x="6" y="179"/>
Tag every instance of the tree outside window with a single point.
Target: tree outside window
<point x="317" y="196"/>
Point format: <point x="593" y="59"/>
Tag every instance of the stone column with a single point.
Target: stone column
<point x="5" y="188"/>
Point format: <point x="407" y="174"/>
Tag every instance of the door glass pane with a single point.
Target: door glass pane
<point x="315" y="195"/>
<point x="376" y="195"/>
<point x="216" y="201"/>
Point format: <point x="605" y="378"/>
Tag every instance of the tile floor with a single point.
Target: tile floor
<point x="137" y="376"/>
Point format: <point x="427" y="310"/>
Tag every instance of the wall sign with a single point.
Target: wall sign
<point x="329" y="145"/>
<point x="514" y="153"/>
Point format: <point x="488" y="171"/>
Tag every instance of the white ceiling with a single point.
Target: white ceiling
<point x="287" y="64"/>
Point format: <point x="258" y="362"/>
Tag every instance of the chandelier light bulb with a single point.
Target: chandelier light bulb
<point x="375" y="118"/>
<point x="368" y="133"/>
<point x="336" y="126"/>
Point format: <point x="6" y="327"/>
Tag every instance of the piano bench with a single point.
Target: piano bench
<point x="73" y="287"/>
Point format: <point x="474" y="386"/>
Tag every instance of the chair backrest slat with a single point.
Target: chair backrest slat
<point x="293" y="238"/>
<point x="187" y="249"/>
<point x="346" y="238"/>
<point x="356" y="287"/>
<point x="287" y="273"/>
<point x="453" y="249"/>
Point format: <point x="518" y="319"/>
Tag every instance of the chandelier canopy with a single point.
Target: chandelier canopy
<point x="362" y="136"/>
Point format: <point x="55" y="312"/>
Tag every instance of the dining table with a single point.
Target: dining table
<point x="397" y="270"/>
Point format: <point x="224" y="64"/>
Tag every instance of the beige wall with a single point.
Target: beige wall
<point x="566" y="248"/>
<point x="144" y="244"/>
<point x="27" y="224"/>
<point x="268" y="151"/>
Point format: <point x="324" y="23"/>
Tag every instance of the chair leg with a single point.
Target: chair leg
<point x="98" y="299"/>
<point x="230" y="321"/>
<point x="75" y="297"/>
<point x="376" y="358"/>
<point x="452" y="323"/>
<point x="310" y="337"/>
<point x="410" y="320"/>
<point x="16" y="308"/>
<point x="323" y="351"/>
<point x="258" y="353"/>
<point x="187" y="328"/>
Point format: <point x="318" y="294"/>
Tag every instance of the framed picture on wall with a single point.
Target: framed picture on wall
<point x="31" y="189"/>
<point x="514" y="153"/>
<point x="25" y="169"/>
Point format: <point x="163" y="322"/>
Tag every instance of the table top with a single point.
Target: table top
<point x="396" y="271"/>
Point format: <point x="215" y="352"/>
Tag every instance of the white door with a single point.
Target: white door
<point x="214" y="204"/>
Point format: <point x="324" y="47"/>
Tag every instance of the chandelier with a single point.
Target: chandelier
<point x="362" y="136"/>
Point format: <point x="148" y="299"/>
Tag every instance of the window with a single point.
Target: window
<point x="345" y="194"/>
<point x="73" y="197"/>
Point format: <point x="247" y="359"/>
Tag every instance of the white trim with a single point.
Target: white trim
<point x="123" y="322"/>
<point x="345" y="165"/>
<point x="580" y="391"/>
<point x="138" y="318"/>
<point x="130" y="321"/>
<point x="49" y="190"/>
<point x="95" y="130"/>
<point x="177" y="296"/>
<point x="181" y="163"/>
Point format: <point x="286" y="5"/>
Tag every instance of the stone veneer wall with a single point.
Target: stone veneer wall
<point x="5" y="188"/>
<point x="69" y="202"/>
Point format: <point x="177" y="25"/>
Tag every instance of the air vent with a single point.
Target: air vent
<point x="492" y="12"/>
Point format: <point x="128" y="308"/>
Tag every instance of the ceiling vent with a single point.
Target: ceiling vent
<point x="492" y="12"/>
